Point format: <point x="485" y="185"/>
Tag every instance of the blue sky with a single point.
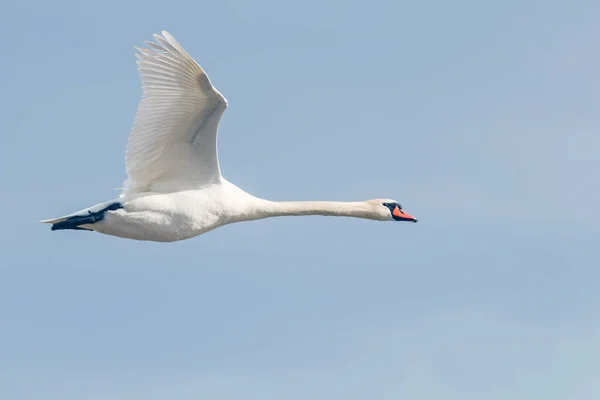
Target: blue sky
<point x="481" y="118"/>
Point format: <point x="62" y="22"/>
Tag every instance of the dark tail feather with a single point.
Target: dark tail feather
<point x="76" y="221"/>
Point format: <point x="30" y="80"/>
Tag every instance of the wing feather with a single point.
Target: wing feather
<point x="173" y="142"/>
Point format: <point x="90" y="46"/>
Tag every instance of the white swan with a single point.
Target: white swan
<point x="174" y="189"/>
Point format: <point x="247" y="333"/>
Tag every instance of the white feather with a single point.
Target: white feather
<point x="173" y="142"/>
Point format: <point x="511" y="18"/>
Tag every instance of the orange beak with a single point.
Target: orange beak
<point x="403" y="216"/>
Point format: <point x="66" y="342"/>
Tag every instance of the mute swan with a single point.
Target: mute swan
<point x="174" y="189"/>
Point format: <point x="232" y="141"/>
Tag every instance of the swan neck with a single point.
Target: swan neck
<point x="325" y="208"/>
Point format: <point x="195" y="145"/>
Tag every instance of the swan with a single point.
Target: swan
<point x="174" y="188"/>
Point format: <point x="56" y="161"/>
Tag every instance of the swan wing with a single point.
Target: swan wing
<point x="173" y="142"/>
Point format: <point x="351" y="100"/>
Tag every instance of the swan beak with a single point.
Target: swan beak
<point x="403" y="216"/>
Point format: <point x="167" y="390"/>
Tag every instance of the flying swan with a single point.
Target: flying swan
<point x="175" y="190"/>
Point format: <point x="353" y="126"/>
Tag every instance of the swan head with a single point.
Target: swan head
<point x="391" y="210"/>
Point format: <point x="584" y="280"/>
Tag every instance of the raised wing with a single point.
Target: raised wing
<point x="173" y="141"/>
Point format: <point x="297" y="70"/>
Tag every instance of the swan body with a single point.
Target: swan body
<point x="175" y="189"/>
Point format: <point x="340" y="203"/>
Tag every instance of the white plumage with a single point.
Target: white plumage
<point x="175" y="189"/>
<point x="174" y="136"/>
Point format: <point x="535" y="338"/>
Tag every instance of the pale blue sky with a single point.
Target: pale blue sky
<point x="481" y="118"/>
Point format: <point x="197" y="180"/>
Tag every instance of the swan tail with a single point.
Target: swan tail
<point x="75" y="222"/>
<point x="84" y="217"/>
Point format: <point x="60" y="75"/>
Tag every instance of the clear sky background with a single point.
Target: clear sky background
<point x="481" y="118"/>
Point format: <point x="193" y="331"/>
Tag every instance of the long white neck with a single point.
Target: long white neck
<point x="266" y="209"/>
